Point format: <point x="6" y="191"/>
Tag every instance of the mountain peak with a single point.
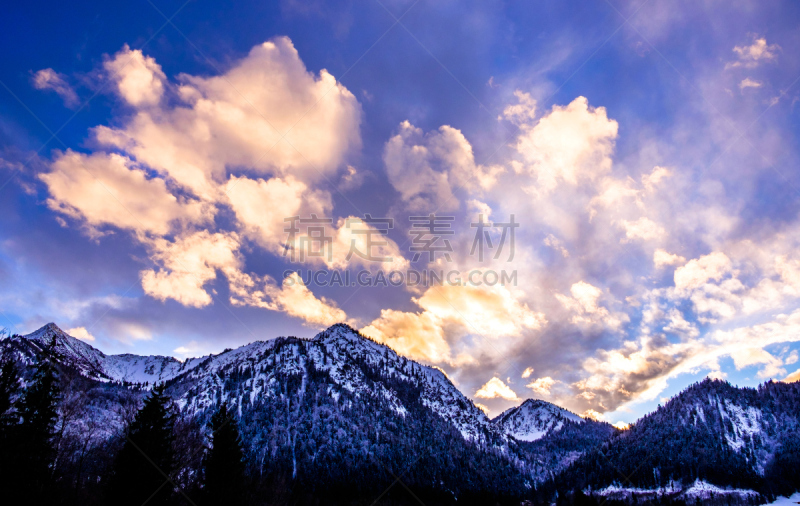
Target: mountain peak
<point x="339" y="332"/>
<point x="46" y="332"/>
<point x="534" y="419"/>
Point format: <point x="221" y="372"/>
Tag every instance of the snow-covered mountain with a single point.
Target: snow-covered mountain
<point x="534" y="419"/>
<point x="332" y="351"/>
<point x="324" y="410"/>
<point x="710" y="436"/>
<point x="351" y="364"/>
<point x="95" y="364"/>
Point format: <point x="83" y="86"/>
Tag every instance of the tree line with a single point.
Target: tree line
<point x="144" y="465"/>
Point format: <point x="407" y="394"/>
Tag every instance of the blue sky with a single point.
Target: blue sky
<point x="648" y="152"/>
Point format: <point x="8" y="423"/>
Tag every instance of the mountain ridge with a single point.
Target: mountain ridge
<point x="322" y="409"/>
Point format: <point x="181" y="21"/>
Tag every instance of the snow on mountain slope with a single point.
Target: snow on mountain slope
<point x="93" y="363"/>
<point x="698" y="491"/>
<point x="534" y="419"/>
<point x="352" y="363"/>
<point x="333" y="352"/>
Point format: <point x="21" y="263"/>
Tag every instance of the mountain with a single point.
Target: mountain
<point x="337" y="412"/>
<point x="339" y="415"/>
<point x="710" y="436"/>
<point x="534" y="419"/>
<point x="94" y="364"/>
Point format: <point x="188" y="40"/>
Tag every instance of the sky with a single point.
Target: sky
<point x="609" y="189"/>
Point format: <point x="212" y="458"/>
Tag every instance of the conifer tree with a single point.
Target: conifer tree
<point x="9" y="382"/>
<point x="223" y="464"/>
<point x="32" y="437"/>
<point x="146" y="458"/>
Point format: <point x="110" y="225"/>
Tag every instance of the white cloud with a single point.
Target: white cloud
<point x="542" y="385"/>
<point x="190" y="349"/>
<point x="795" y="376"/>
<point x="495" y="388"/>
<point x="570" y="144"/>
<point x="427" y="169"/>
<point x="267" y="113"/>
<point x="585" y="306"/>
<point x="643" y="228"/>
<point x="556" y="244"/>
<point x="450" y="313"/>
<point x="749" y="83"/>
<point x="111" y="189"/>
<point x="140" y="80"/>
<point x="419" y="336"/>
<point x="662" y="259"/>
<point x="752" y="55"/>
<point x="188" y="264"/>
<point x="523" y="112"/>
<point x="81" y="333"/>
<point x="292" y="297"/>
<point x="49" y="79"/>
<point x="527" y="372"/>
<point x="262" y="206"/>
<point x="700" y="270"/>
<point x="652" y="180"/>
<point x="593" y="415"/>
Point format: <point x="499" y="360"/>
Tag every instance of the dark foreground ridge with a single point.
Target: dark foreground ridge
<point x="341" y="419"/>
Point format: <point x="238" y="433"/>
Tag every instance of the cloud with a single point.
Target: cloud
<point x="523" y="112"/>
<point x="795" y="376"/>
<point x="643" y="228"/>
<point x="164" y="171"/>
<point x="557" y="245"/>
<point x="754" y="54"/>
<point x="700" y="270"/>
<point x="448" y="314"/>
<point x="419" y="336"/>
<point x="261" y="206"/>
<point x="527" y="372"/>
<point x="593" y="415"/>
<point x="652" y="180"/>
<point x="639" y="370"/>
<point x="495" y="388"/>
<point x="189" y="263"/>
<point x="491" y="311"/>
<point x="111" y="189"/>
<point x="191" y="349"/>
<point x="749" y="83"/>
<point x="428" y="169"/>
<point x="295" y="299"/>
<point x="267" y="114"/>
<point x="49" y="79"/>
<point x="139" y="79"/>
<point x="193" y="261"/>
<point x="584" y="304"/>
<point x="570" y="144"/>
<point x="663" y="259"/>
<point x="745" y="357"/>
<point x="81" y="333"/>
<point x="542" y="385"/>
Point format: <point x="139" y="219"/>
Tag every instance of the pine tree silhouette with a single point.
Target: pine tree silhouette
<point x="223" y="464"/>
<point x="32" y="449"/>
<point x="9" y="383"/>
<point x="146" y="458"/>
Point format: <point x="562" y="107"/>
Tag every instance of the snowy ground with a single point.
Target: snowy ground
<point x="787" y="501"/>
